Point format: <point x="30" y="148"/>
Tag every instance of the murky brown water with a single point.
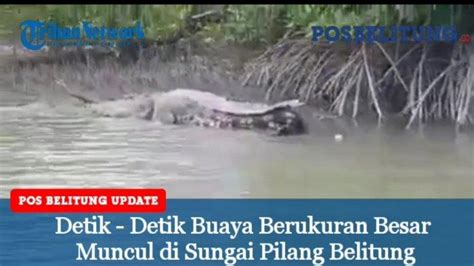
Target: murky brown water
<point x="41" y="146"/>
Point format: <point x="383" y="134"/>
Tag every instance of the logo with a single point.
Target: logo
<point x="37" y="34"/>
<point x="389" y="34"/>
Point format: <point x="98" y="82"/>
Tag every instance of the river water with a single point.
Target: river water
<point x="65" y="146"/>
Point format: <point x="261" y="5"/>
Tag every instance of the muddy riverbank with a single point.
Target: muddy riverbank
<point x="49" y="138"/>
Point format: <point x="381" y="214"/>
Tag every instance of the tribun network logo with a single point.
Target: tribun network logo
<point x="37" y="34"/>
<point x="389" y="34"/>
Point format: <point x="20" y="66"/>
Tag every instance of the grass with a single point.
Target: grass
<point x="349" y="78"/>
<point x="263" y="24"/>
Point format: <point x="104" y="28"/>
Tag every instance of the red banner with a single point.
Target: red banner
<point x="88" y="200"/>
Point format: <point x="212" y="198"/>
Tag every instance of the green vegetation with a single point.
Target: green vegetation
<point x="262" y="24"/>
<point x="424" y="82"/>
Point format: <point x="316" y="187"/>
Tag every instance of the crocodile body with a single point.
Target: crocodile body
<point x="191" y="107"/>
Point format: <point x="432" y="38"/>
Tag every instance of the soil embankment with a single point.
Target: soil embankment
<point x="409" y="84"/>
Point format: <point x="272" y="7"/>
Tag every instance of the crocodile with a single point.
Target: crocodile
<point x="199" y="108"/>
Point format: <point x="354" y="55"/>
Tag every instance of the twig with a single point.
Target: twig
<point x="204" y="14"/>
<point x="371" y="85"/>
<point x="356" y="98"/>
<point x="394" y="67"/>
<point x="428" y="90"/>
<point x="396" y="64"/>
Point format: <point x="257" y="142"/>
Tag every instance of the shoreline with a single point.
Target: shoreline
<point x="220" y="65"/>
